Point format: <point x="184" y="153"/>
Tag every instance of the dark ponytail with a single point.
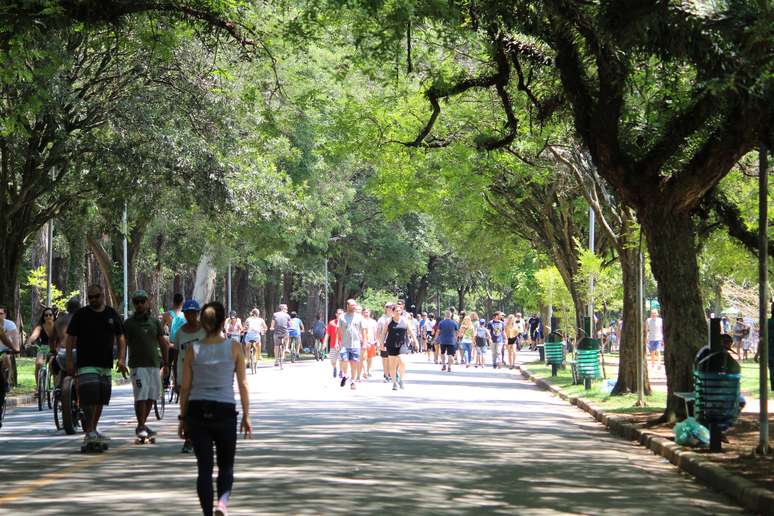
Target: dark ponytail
<point x="212" y="317"/>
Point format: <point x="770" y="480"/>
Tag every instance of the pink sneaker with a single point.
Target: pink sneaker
<point x="220" y="510"/>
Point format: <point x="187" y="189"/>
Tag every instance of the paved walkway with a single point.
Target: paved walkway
<point x="469" y="442"/>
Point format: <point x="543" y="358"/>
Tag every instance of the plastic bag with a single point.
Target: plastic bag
<point x="690" y="432"/>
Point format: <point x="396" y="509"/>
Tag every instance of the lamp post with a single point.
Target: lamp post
<point x="126" y="262"/>
<point x="763" y="287"/>
<point x="228" y="286"/>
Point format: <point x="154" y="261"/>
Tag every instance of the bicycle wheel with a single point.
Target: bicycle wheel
<point x="71" y="419"/>
<point x="42" y="379"/>
<point x="57" y="411"/>
<point x="50" y="389"/>
<point x="160" y="405"/>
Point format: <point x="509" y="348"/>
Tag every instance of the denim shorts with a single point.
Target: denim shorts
<point x="349" y="354"/>
<point x="654" y="346"/>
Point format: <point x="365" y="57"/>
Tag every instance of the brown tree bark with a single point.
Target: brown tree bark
<point x="630" y="338"/>
<point x="673" y="259"/>
<point x="105" y="266"/>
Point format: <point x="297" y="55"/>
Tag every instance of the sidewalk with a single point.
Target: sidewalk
<point x="657" y="377"/>
<point x="747" y="478"/>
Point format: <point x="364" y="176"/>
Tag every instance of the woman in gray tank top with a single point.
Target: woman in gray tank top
<point x="208" y="409"/>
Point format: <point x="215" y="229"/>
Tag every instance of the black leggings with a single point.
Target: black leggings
<point x="208" y="423"/>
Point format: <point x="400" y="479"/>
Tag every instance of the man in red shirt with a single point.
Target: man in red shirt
<point x="332" y="340"/>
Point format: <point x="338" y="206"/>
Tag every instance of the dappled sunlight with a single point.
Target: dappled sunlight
<point x="459" y="443"/>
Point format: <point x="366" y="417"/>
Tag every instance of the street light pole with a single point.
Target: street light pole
<point x="126" y="262"/>
<point x="50" y="257"/>
<point x="325" y="288"/>
<point x="763" y="288"/>
<point x="228" y="287"/>
<point x="592" y="223"/>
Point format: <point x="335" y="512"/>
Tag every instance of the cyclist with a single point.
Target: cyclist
<point x="186" y="335"/>
<point x="234" y="326"/>
<point x="255" y="327"/>
<point x="44" y="335"/>
<point x="295" y="330"/>
<point x="146" y="342"/>
<point x="61" y="323"/>
<point x="93" y="331"/>
<point x="9" y="342"/>
<point x="280" y="323"/>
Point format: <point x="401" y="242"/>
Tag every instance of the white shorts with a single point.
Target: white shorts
<point x="334" y="355"/>
<point x="146" y="383"/>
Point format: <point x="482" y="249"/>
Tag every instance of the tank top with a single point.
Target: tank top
<point x="177" y="321"/>
<point x="396" y="334"/>
<point x="213" y="372"/>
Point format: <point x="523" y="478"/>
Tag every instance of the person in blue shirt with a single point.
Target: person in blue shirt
<point x="497" y="329"/>
<point x="295" y="330"/>
<point x="447" y="338"/>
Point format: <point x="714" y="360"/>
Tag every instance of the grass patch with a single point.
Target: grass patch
<point x="616" y="404"/>
<point x="750" y="378"/>
<point x="25" y="371"/>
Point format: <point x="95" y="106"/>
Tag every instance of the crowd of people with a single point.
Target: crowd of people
<point x="200" y="350"/>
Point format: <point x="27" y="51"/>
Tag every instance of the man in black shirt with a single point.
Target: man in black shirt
<point x="92" y="331"/>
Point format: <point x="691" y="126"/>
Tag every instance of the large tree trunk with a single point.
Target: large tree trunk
<point x="670" y="236"/>
<point x="630" y="338"/>
<point x="11" y="251"/>
<point x="105" y="266"/>
<point x="204" y="285"/>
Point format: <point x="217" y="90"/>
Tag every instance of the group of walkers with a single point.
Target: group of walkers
<point x="86" y="342"/>
<point x="353" y="338"/>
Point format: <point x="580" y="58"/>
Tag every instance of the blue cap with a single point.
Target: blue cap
<point x="192" y="305"/>
<point x="482" y="321"/>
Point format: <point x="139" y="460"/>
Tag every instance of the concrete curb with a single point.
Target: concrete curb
<point x="26" y="400"/>
<point x="747" y="494"/>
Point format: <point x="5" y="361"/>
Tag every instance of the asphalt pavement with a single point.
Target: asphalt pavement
<point x="468" y="442"/>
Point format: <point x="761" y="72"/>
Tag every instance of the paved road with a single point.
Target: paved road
<point x="469" y="442"/>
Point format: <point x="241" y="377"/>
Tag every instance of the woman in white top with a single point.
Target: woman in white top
<point x="207" y="407"/>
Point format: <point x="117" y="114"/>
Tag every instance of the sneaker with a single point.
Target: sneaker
<point x="352" y="386"/>
<point x="142" y="433"/>
<point x="343" y="381"/>
<point x="187" y="447"/>
<point x="151" y="433"/>
<point x="448" y="370"/>
<point x="90" y="437"/>
<point x="276" y="363"/>
<point x="220" y="510"/>
<point x="386" y="379"/>
<point x="400" y="382"/>
<point x="105" y="439"/>
<point x="394" y="386"/>
<point x="443" y="368"/>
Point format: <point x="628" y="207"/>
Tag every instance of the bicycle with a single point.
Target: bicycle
<point x="252" y="362"/>
<point x="44" y="383"/>
<point x="160" y="403"/>
<point x="5" y="386"/>
<point x="66" y="405"/>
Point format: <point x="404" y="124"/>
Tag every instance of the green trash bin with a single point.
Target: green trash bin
<point x="554" y="347"/>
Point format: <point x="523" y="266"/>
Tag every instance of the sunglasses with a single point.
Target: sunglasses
<point x="139" y="301"/>
<point x="94" y="296"/>
<point x="48" y="314"/>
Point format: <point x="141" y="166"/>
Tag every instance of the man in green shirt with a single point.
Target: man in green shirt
<point x="148" y="353"/>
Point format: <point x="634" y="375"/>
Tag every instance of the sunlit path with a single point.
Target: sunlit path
<point x="468" y="442"/>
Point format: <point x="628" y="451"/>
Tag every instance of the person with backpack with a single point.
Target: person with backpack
<point x="483" y="337"/>
<point x="318" y="332"/>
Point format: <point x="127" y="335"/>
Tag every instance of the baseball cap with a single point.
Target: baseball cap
<point x="482" y="321"/>
<point x="139" y="294"/>
<point x="191" y="306"/>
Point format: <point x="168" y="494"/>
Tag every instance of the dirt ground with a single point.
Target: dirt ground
<point x="738" y="453"/>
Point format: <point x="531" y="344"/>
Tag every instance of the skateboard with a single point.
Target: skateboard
<point x="145" y="440"/>
<point x="95" y="447"/>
